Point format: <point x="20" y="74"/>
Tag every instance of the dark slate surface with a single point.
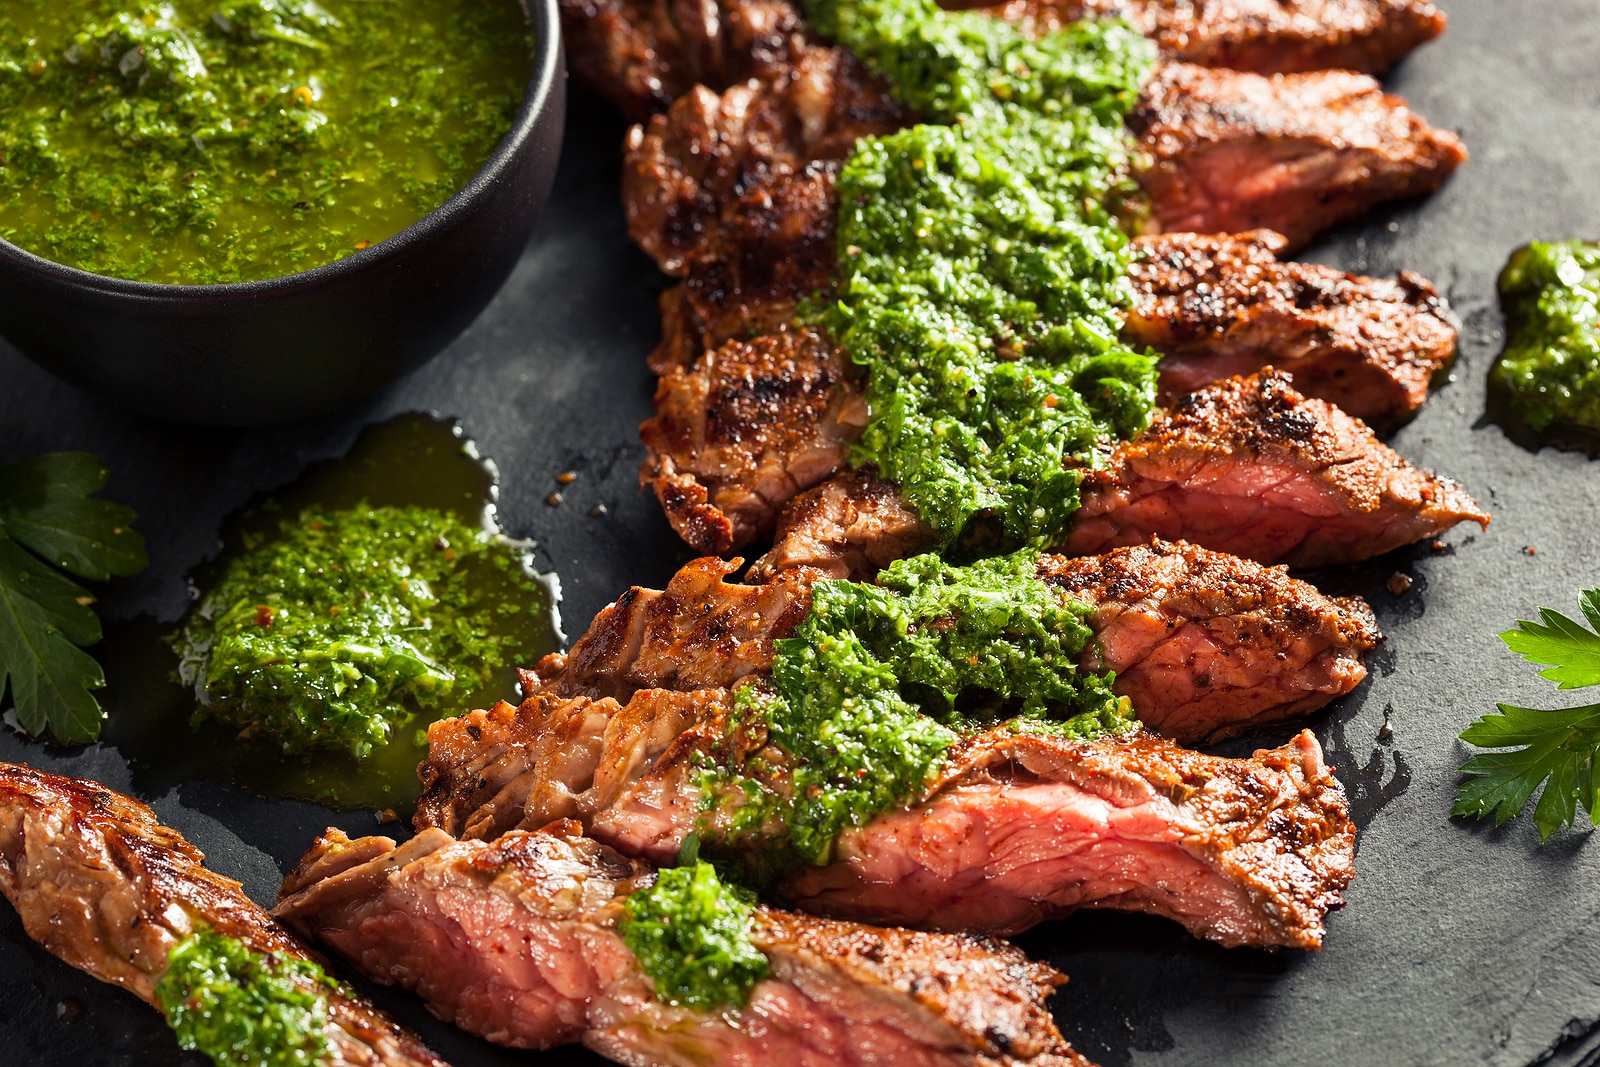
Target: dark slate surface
<point x="1460" y="944"/>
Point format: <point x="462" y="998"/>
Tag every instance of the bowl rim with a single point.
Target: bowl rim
<point x="547" y="45"/>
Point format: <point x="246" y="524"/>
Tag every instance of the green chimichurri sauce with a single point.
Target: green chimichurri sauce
<point x="691" y="933"/>
<point x="982" y="269"/>
<point x="880" y="681"/>
<point x="337" y="632"/>
<point x="410" y="461"/>
<point x="201" y="141"/>
<point x="244" y="1008"/>
<point x="1548" y="379"/>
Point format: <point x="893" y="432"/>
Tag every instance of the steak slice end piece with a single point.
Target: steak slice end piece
<point x="1208" y="645"/>
<point x="1251" y="467"/>
<point x="100" y="883"/>
<point x="1231" y="151"/>
<point x="1217" y="306"/>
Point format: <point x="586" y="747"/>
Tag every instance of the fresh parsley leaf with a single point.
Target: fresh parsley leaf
<point x="47" y="507"/>
<point x="46" y="510"/>
<point x="1556" y="749"/>
<point x="1571" y="652"/>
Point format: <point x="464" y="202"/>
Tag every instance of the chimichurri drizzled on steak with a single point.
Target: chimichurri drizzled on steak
<point x="982" y="273"/>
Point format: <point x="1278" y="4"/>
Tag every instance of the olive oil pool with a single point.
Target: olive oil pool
<point x="205" y="141"/>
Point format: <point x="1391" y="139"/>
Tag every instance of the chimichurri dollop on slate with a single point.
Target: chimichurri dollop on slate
<point x="203" y="141"/>
<point x="982" y="269"/>
<point x="1549" y="374"/>
<point x="342" y="629"/>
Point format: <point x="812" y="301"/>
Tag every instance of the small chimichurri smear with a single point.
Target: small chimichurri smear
<point x="1548" y="379"/>
<point x="244" y="1008"/>
<point x="982" y="267"/>
<point x="203" y="141"/>
<point x="348" y="624"/>
<point x="691" y="933"/>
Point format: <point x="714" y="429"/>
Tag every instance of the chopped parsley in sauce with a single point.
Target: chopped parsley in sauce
<point x="244" y="1008"/>
<point x="201" y="141"/>
<point x="342" y="629"/>
<point x="691" y="934"/>
<point x="880" y="681"/>
<point x="1549" y="374"/>
<point x="982" y="268"/>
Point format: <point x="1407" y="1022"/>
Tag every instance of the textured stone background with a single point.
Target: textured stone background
<point x="1460" y="944"/>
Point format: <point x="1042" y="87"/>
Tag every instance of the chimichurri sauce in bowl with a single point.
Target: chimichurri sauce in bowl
<point x="205" y="141"/>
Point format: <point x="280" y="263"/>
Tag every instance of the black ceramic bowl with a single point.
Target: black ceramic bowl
<point x="270" y="351"/>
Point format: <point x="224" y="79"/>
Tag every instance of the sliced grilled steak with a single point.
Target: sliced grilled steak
<point x="1017" y="829"/>
<point x="1295" y="153"/>
<point x="1217" y="306"/>
<point x="643" y="54"/>
<point x="517" y="941"/>
<point x="1227" y="152"/>
<point x="1251" y="467"/>
<point x="100" y="883"/>
<point x="1204" y="644"/>
<point x="1265" y="36"/>
<point x="1208" y="645"/>
<point x="743" y="429"/>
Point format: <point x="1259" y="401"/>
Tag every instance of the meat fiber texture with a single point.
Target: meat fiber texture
<point x="1016" y="829"/>
<point x="517" y="941"/>
<point x="1204" y="644"/>
<point x="1296" y="153"/>
<point x="1251" y="467"/>
<point x="100" y="883"/>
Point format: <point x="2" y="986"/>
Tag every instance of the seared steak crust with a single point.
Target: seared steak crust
<point x="689" y="173"/>
<point x="517" y="941"/>
<point x="643" y="54"/>
<point x="1251" y="467"/>
<point x="851" y="526"/>
<point x="743" y="429"/>
<point x="1205" y="644"/>
<point x="1295" y="153"/>
<point x="1265" y="36"/>
<point x="99" y="882"/>
<point x="700" y="632"/>
<point x="1208" y="645"/>
<point x="1018" y="827"/>
<point x="1220" y="305"/>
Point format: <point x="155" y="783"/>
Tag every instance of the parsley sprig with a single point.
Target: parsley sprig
<point x="1556" y="749"/>
<point x="49" y="523"/>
